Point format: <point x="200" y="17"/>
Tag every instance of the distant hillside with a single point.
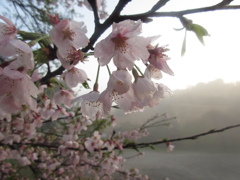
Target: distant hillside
<point x="198" y="109"/>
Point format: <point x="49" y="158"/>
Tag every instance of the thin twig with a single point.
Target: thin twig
<point x="212" y="131"/>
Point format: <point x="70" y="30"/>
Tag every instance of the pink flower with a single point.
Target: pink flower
<point x="111" y="164"/>
<point x="74" y="76"/>
<point x="8" y="104"/>
<point x="110" y="145"/>
<point x="118" y="84"/>
<point x="20" y="52"/>
<point x="158" y="94"/>
<point x="94" y="142"/>
<point x="170" y="147"/>
<point x="24" y="161"/>
<point x="11" y="73"/>
<point x="36" y="76"/>
<point x="7" y="31"/>
<point x="67" y="34"/>
<point x="49" y="109"/>
<point x="71" y="58"/>
<point x="119" y="81"/>
<point x="152" y="72"/>
<point x="63" y="97"/>
<point x="18" y="90"/>
<point x="123" y="45"/>
<point x="105" y="99"/>
<point x="59" y="112"/>
<point x="128" y="102"/>
<point x="90" y="105"/>
<point x="158" y="59"/>
<point x="144" y="89"/>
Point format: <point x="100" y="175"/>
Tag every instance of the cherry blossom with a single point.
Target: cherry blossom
<point x="119" y="81"/>
<point x="19" y="51"/>
<point x="152" y="72"/>
<point x="72" y="57"/>
<point x="90" y="105"/>
<point x="118" y="84"/>
<point x="128" y="102"/>
<point x="68" y="34"/>
<point x="17" y="91"/>
<point x="110" y="165"/>
<point x="158" y="95"/>
<point x="74" y="76"/>
<point x="143" y="90"/>
<point x="121" y="45"/>
<point x="170" y="147"/>
<point x="158" y="59"/>
<point x="105" y="98"/>
<point x="48" y="109"/>
<point x="63" y="97"/>
<point x="59" y="112"/>
<point x="94" y="143"/>
<point x="7" y="31"/>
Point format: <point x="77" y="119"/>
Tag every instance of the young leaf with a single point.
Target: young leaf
<point x="184" y="44"/>
<point x="86" y="85"/>
<point x="199" y="31"/>
<point x="152" y="147"/>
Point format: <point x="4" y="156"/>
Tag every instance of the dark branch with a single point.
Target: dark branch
<point x="101" y="28"/>
<point x="158" y="5"/>
<point x="52" y="74"/>
<point x="221" y="6"/>
<point x="95" y="11"/>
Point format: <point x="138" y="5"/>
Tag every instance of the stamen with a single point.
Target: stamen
<point x="68" y="34"/>
<point x="120" y="43"/>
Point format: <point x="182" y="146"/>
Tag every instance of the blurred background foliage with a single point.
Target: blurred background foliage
<point x="32" y="15"/>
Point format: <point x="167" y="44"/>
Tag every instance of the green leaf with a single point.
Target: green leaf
<point x="152" y="147"/>
<point x="165" y="139"/>
<point x="199" y="31"/>
<point x="40" y="56"/>
<point x="29" y="35"/>
<point x="86" y="85"/>
<point x="184" y="44"/>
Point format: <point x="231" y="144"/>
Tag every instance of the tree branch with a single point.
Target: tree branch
<point x="50" y="75"/>
<point x="220" y="6"/>
<point x="158" y="5"/>
<point x="132" y="145"/>
<point x="95" y="11"/>
<point x="212" y="131"/>
<point x="101" y="28"/>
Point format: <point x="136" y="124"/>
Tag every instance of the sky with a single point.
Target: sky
<point x="219" y="58"/>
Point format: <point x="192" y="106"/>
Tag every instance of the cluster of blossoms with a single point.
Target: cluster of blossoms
<point x="121" y="47"/>
<point x="56" y="135"/>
